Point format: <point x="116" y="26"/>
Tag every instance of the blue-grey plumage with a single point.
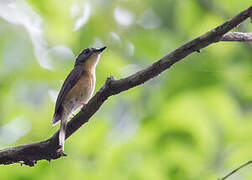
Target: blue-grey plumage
<point x="77" y="89"/>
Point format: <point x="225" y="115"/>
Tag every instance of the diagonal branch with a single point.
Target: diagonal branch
<point x="29" y="154"/>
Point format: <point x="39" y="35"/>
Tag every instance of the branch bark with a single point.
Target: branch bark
<point x="29" y="154"/>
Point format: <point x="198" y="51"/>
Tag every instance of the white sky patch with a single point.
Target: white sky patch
<point x="149" y="20"/>
<point x="59" y="51"/>
<point x="53" y="94"/>
<point x="97" y="42"/>
<point x="123" y="16"/>
<point x="20" y="13"/>
<point x="83" y="19"/>
<point x="125" y="124"/>
<point x="130" y="48"/>
<point x="114" y="36"/>
<point x="74" y="10"/>
<point x="15" y="129"/>
<point x="130" y="69"/>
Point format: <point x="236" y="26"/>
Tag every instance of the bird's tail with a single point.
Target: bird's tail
<point x="62" y="133"/>
<point x="61" y="116"/>
<point x="56" y="119"/>
<point x="57" y="116"/>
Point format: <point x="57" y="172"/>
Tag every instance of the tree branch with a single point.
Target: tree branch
<point x="29" y="154"/>
<point x="237" y="36"/>
<point x="237" y="169"/>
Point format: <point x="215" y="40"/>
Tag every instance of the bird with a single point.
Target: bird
<point x="76" y="90"/>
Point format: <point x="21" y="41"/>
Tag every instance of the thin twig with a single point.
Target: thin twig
<point x="237" y="36"/>
<point x="237" y="169"/>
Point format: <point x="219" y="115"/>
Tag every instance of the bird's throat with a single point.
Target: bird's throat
<point x="91" y="63"/>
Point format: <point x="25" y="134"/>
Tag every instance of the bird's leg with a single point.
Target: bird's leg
<point x="83" y="104"/>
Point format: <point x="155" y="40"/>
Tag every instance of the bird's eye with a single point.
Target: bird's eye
<point x="86" y="51"/>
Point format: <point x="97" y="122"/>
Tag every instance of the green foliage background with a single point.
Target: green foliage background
<point x="192" y="122"/>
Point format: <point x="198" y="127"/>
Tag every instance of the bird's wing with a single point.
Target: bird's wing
<point x="70" y="81"/>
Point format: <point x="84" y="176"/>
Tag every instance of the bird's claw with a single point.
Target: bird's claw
<point x="83" y="104"/>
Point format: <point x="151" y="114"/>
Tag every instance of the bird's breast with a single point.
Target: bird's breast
<point x="81" y="91"/>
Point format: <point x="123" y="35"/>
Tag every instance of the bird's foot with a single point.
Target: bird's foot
<point x="83" y="104"/>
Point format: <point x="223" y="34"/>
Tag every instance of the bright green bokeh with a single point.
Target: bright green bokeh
<point x="193" y="122"/>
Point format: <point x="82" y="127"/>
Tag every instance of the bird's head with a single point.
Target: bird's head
<point x="89" y="56"/>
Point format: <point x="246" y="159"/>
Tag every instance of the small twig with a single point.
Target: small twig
<point x="237" y="36"/>
<point x="237" y="169"/>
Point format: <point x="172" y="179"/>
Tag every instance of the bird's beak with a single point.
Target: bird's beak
<point x="100" y="50"/>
